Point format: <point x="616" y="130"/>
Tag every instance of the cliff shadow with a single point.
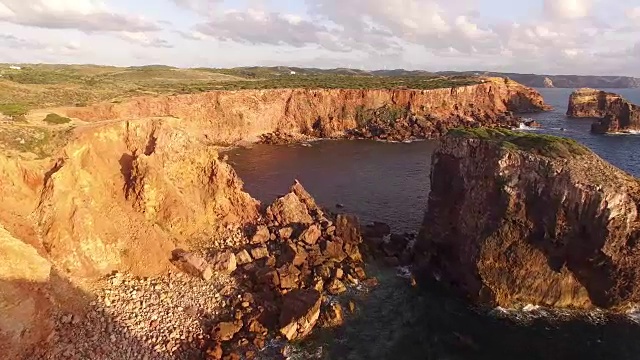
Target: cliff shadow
<point x="574" y="238"/>
<point x="58" y="320"/>
<point x="397" y="321"/>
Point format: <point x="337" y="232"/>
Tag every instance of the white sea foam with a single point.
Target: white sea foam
<point x="404" y="272"/>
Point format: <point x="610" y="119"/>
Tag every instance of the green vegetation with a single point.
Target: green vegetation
<point x="56" y="119"/>
<point x="13" y="110"/>
<point x="41" y="86"/>
<point x="545" y="145"/>
<point x="387" y="114"/>
<point x="28" y="139"/>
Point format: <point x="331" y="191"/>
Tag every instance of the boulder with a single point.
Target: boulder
<point x="299" y="314"/>
<point x="532" y="123"/>
<point x="311" y="235"/>
<point x="294" y="254"/>
<point x="285" y="233"/>
<point x="288" y="275"/>
<point x="261" y="235"/>
<point x="377" y="230"/>
<point x="307" y="199"/>
<point x="192" y="263"/>
<point x="333" y="250"/>
<point x="269" y="277"/>
<point x="336" y="287"/>
<point x="348" y="228"/>
<point x="224" y="262"/>
<point x="289" y="210"/>
<point x="332" y="316"/>
<point x="243" y="257"/>
<point x="259" y="252"/>
<point x="225" y="331"/>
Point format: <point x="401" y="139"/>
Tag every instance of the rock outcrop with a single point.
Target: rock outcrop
<point x="518" y="218"/>
<point x="124" y="195"/>
<point x="228" y="117"/>
<point x="548" y="83"/>
<point x="615" y="114"/>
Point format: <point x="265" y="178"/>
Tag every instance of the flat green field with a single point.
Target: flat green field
<point x="45" y="86"/>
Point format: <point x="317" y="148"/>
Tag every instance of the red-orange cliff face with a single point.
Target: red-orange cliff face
<point x="231" y="116"/>
<point x="551" y="224"/>
<point x="121" y="195"/>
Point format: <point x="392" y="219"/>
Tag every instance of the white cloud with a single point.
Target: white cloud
<point x="567" y="9"/>
<point x="14" y="42"/>
<point x="85" y="15"/>
<point x="633" y="14"/>
<point x="584" y="36"/>
<point x="144" y="39"/>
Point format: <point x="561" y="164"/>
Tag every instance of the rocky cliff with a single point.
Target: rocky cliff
<point x="231" y="116"/>
<point x="516" y="219"/>
<point x="615" y="114"/>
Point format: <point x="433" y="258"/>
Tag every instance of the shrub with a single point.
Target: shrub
<point x="13" y="110"/>
<point x="56" y="119"/>
<point x="545" y="145"/>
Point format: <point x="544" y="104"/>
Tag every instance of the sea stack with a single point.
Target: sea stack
<point x="518" y="219"/>
<point x="614" y="113"/>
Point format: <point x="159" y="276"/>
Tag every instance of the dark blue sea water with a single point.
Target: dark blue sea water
<point x="390" y="182"/>
<point x="620" y="150"/>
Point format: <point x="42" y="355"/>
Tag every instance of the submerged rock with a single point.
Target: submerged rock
<point x="539" y="220"/>
<point x="615" y="113"/>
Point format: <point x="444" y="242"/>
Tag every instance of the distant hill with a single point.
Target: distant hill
<point x="533" y="80"/>
<point x="561" y="81"/>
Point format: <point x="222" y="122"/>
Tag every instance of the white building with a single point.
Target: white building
<point x="292" y="73"/>
<point x="12" y="67"/>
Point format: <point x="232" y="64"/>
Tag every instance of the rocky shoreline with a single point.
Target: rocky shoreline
<point x="244" y="302"/>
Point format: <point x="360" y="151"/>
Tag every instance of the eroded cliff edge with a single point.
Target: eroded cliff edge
<point x="232" y="116"/>
<point x="523" y="219"/>
<point x="614" y="113"/>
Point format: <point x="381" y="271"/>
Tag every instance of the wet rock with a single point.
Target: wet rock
<point x="300" y="312"/>
<point x="371" y="282"/>
<point x="353" y="252"/>
<point x="311" y="235"/>
<point x="532" y="123"/>
<point x="377" y="230"/>
<point x="332" y="316"/>
<point x="243" y="257"/>
<point x="352" y="306"/>
<point x="396" y="245"/>
<point x="261" y="235"/>
<point x="225" y="331"/>
<point x="359" y="273"/>
<point x="192" y="263"/>
<point x="260" y="252"/>
<point x="336" y="287"/>
<point x="224" y="262"/>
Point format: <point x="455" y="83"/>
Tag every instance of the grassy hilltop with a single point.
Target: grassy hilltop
<point x="44" y="86"/>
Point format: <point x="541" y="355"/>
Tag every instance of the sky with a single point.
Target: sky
<point x="588" y="37"/>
